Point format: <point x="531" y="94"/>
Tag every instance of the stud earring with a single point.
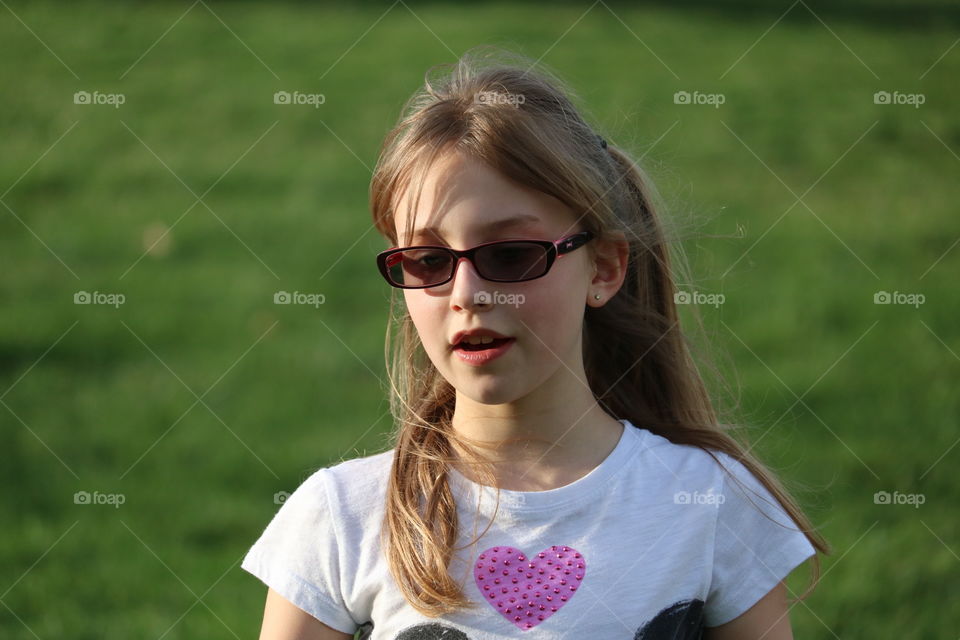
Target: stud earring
<point x="596" y="296"/>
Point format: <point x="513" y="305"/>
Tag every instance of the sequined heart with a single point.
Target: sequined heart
<point x="527" y="591"/>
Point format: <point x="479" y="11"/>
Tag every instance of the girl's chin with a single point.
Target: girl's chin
<point x="492" y="389"/>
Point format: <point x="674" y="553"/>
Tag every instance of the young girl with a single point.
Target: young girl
<point x="558" y="470"/>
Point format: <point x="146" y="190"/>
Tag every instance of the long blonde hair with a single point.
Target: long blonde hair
<point x="637" y="361"/>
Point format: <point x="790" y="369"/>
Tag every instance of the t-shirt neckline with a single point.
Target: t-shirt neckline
<point x="580" y="489"/>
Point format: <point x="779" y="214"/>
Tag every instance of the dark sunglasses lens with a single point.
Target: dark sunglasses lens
<point x="512" y="261"/>
<point x="419" y="267"/>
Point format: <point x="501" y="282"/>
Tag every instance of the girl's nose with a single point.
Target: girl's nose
<point x="464" y="270"/>
<point x="466" y="284"/>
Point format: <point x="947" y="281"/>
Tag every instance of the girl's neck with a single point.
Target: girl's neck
<point x="565" y="443"/>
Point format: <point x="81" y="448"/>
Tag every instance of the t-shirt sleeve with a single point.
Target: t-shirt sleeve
<point x="298" y="555"/>
<point x="751" y="553"/>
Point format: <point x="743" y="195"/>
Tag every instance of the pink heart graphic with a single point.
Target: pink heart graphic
<point x="528" y="591"/>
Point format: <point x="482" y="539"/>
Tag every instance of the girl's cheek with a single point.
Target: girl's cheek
<point x="419" y="308"/>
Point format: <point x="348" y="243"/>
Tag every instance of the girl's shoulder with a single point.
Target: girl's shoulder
<point x="689" y="468"/>
<point x="687" y="462"/>
<point x="358" y="483"/>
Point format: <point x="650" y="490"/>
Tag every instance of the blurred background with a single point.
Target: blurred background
<point x="192" y="322"/>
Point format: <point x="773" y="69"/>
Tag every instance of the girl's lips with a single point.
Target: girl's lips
<point x="482" y="356"/>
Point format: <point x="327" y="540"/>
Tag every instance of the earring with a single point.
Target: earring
<point x="596" y="296"/>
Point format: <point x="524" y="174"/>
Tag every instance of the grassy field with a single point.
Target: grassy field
<point x="198" y="398"/>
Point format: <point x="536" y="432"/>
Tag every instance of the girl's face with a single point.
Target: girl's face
<point x="468" y="203"/>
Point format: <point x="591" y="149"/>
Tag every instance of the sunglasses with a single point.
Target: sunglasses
<point x="502" y="261"/>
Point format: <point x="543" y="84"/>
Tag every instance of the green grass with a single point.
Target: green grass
<point x="93" y="411"/>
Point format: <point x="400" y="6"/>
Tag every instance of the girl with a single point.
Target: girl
<point x="558" y="470"/>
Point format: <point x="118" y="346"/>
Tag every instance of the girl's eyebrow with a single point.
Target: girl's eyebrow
<point x="520" y="220"/>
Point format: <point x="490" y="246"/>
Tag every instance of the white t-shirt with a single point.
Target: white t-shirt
<point x="655" y="542"/>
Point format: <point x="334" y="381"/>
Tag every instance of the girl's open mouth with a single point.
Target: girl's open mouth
<point x="478" y="354"/>
<point x="497" y="342"/>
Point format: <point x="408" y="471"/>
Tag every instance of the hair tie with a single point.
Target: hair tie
<point x="603" y="143"/>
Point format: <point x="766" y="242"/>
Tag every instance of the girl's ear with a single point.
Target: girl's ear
<point x="609" y="267"/>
